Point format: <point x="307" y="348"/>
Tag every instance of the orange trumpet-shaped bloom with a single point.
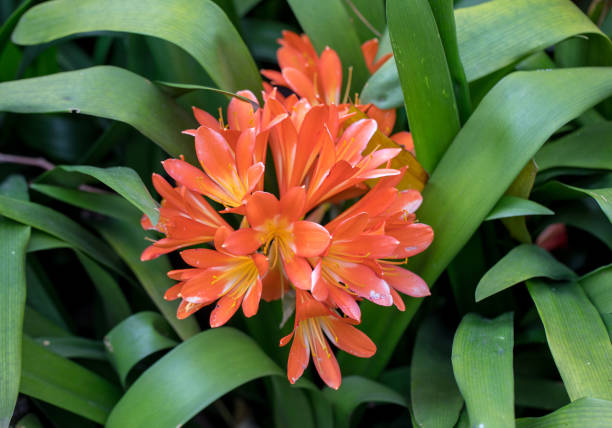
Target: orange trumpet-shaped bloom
<point x="314" y="321"/>
<point x="286" y="239"/>
<point x="348" y="269"/>
<point x="219" y="275"/>
<point x="184" y="217"/>
<point x="230" y="174"/>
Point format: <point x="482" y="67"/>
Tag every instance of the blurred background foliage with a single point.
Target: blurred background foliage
<point x="514" y="158"/>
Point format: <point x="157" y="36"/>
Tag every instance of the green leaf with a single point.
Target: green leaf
<point x="445" y="20"/>
<point x="496" y="34"/>
<point x="193" y="375"/>
<point x="522" y="263"/>
<point x="597" y="286"/>
<point x="368" y="18"/>
<point x="126" y="183"/>
<point x="519" y="114"/>
<point x="586" y="148"/>
<point x="436" y="401"/>
<point x="60" y="226"/>
<point x="108" y="92"/>
<point x="135" y="338"/>
<point x="482" y="362"/>
<point x="116" y="307"/>
<point x="13" y="242"/>
<point x="291" y="407"/>
<point x="586" y="412"/>
<point x="356" y="390"/>
<point x="40" y="241"/>
<point x="328" y="23"/>
<point x="108" y="204"/>
<point x="59" y="381"/>
<point x="36" y="324"/>
<point x="577" y="338"/>
<point x="425" y="77"/>
<point x="558" y="190"/>
<point x="9" y="24"/>
<point x="74" y="347"/>
<point x="41" y="294"/>
<point x="540" y="393"/>
<point x="29" y="421"/>
<point x="127" y="239"/>
<point x="521" y="187"/>
<point x="198" y="26"/>
<point x="511" y="206"/>
<point x="177" y="89"/>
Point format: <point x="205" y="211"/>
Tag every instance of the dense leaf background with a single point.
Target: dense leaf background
<point x="510" y="106"/>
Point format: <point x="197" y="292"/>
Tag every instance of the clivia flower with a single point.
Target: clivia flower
<point x="319" y="238"/>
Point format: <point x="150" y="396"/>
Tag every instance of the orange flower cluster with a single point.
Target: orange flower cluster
<point x="287" y="244"/>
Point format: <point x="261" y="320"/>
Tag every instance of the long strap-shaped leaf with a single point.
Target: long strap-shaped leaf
<point x="356" y="390"/>
<point x="508" y="127"/>
<point x="586" y="412"/>
<point x="198" y="26"/>
<point x="127" y="239"/>
<point x="436" y="401"/>
<point x="496" y="34"/>
<point x="61" y="382"/>
<point x="522" y="263"/>
<point x="135" y="338"/>
<point x="482" y="362"/>
<point x="104" y="91"/>
<point x="577" y="338"/>
<point x="327" y="23"/>
<point x="597" y="286"/>
<point x="426" y="81"/>
<point x="13" y="242"/>
<point x="60" y="226"/>
<point x="126" y="182"/>
<point x="190" y="377"/>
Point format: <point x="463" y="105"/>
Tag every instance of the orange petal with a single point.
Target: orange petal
<point x="398" y="301"/>
<point x="244" y="151"/>
<point x="355" y="139"/>
<point x="369" y="50"/>
<point x="414" y="238"/>
<point x="173" y="292"/>
<point x="215" y="155"/>
<point x="225" y="309"/>
<point x="250" y="301"/>
<point x="300" y="84"/>
<point x="326" y="363"/>
<point x="260" y="207"/>
<point x="371" y="246"/>
<point x="240" y="114"/>
<point x="204" y="258"/>
<point x="363" y="281"/>
<point x="310" y="239"/>
<point x="351" y="227"/>
<point x="346" y="302"/>
<point x="205" y="118"/>
<point x="405" y="281"/>
<point x="350" y="339"/>
<point x="384" y="118"/>
<point x="204" y="288"/>
<point x="254" y="175"/>
<point x="186" y="308"/>
<point x="242" y="242"/>
<point x="298" y="359"/>
<point x="405" y="140"/>
<point x="330" y="70"/>
<point x="299" y="272"/>
<point x="292" y="203"/>
<point x="192" y="178"/>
